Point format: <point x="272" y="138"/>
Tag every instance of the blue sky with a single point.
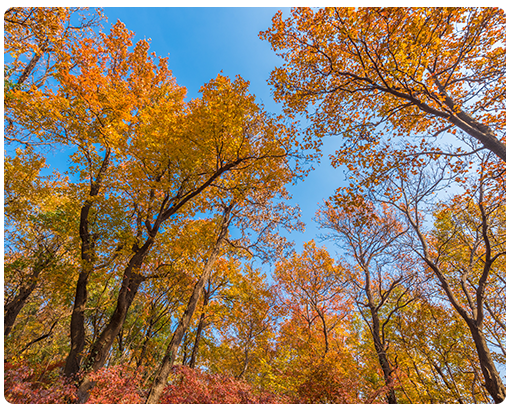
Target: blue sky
<point x="201" y="42"/>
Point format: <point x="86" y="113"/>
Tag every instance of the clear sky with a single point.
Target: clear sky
<point x="201" y="42"/>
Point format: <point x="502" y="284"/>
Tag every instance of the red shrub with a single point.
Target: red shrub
<point x="23" y="384"/>
<point x="196" y="387"/>
<point x="116" y="385"/>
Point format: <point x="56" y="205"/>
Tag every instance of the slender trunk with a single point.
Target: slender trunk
<point x="73" y="361"/>
<point x="146" y="339"/>
<point x="198" y="336"/>
<point x="493" y="382"/>
<point x="31" y="66"/>
<point x="12" y="309"/>
<point x="171" y="351"/>
<point x="324" y="331"/>
<point x="383" y="358"/>
<point x="379" y="342"/>
<point x="185" y="348"/>
<point x="99" y="351"/>
<point x="168" y="360"/>
<point x="246" y="362"/>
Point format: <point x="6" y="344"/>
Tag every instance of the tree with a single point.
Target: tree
<point x="314" y="362"/>
<point x="381" y="275"/>
<point x="245" y="325"/>
<point x="34" y="40"/>
<point x="314" y="284"/>
<point x="143" y="159"/>
<point x="367" y="73"/>
<point x="223" y="137"/>
<point x="171" y="351"/>
<point x="39" y="213"/>
<point x="466" y="250"/>
<point x="436" y="359"/>
<point x="245" y="199"/>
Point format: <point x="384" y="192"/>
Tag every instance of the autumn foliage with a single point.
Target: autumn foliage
<point x="154" y="262"/>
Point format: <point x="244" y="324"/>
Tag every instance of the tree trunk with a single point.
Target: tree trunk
<point x="246" y="362"/>
<point x="324" y="330"/>
<point x="198" y="336"/>
<point x="383" y="358"/>
<point x="31" y="66"/>
<point x="12" y="309"/>
<point x="168" y="360"/>
<point x="379" y="342"/>
<point x="493" y="382"/>
<point x="143" y="351"/>
<point x="73" y="360"/>
<point x="99" y="351"/>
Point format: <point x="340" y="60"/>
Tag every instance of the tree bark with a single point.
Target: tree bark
<point x="379" y="342"/>
<point x="161" y="378"/>
<point x="493" y="382"/>
<point x="12" y="309"/>
<point x="31" y="66"/>
<point x="74" y="358"/>
<point x="198" y="336"/>
<point x="382" y="357"/>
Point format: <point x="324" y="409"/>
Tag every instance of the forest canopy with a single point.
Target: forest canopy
<point x="156" y="262"/>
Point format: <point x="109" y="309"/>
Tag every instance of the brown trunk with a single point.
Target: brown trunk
<point x="198" y="336"/>
<point x="379" y="342"/>
<point x="78" y="324"/>
<point x="12" y="309"/>
<point x="143" y="351"/>
<point x="30" y="66"/>
<point x="383" y="358"/>
<point x="99" y="351"/>
<point x="324" y="331"/>
<point x="73" y="360"/>
<point x="161" y="378"/>
<point x="493" y="382"/>
<point x="246" y="362"/>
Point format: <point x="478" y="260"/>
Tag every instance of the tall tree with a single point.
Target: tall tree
<point x="223" y="136"/>
<point x="381" y="275"/>
<point x="313" y="284"/>
<point x="466" y="250"/>
<point x="163" y="372"/>
<point x="38" y="217"/>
